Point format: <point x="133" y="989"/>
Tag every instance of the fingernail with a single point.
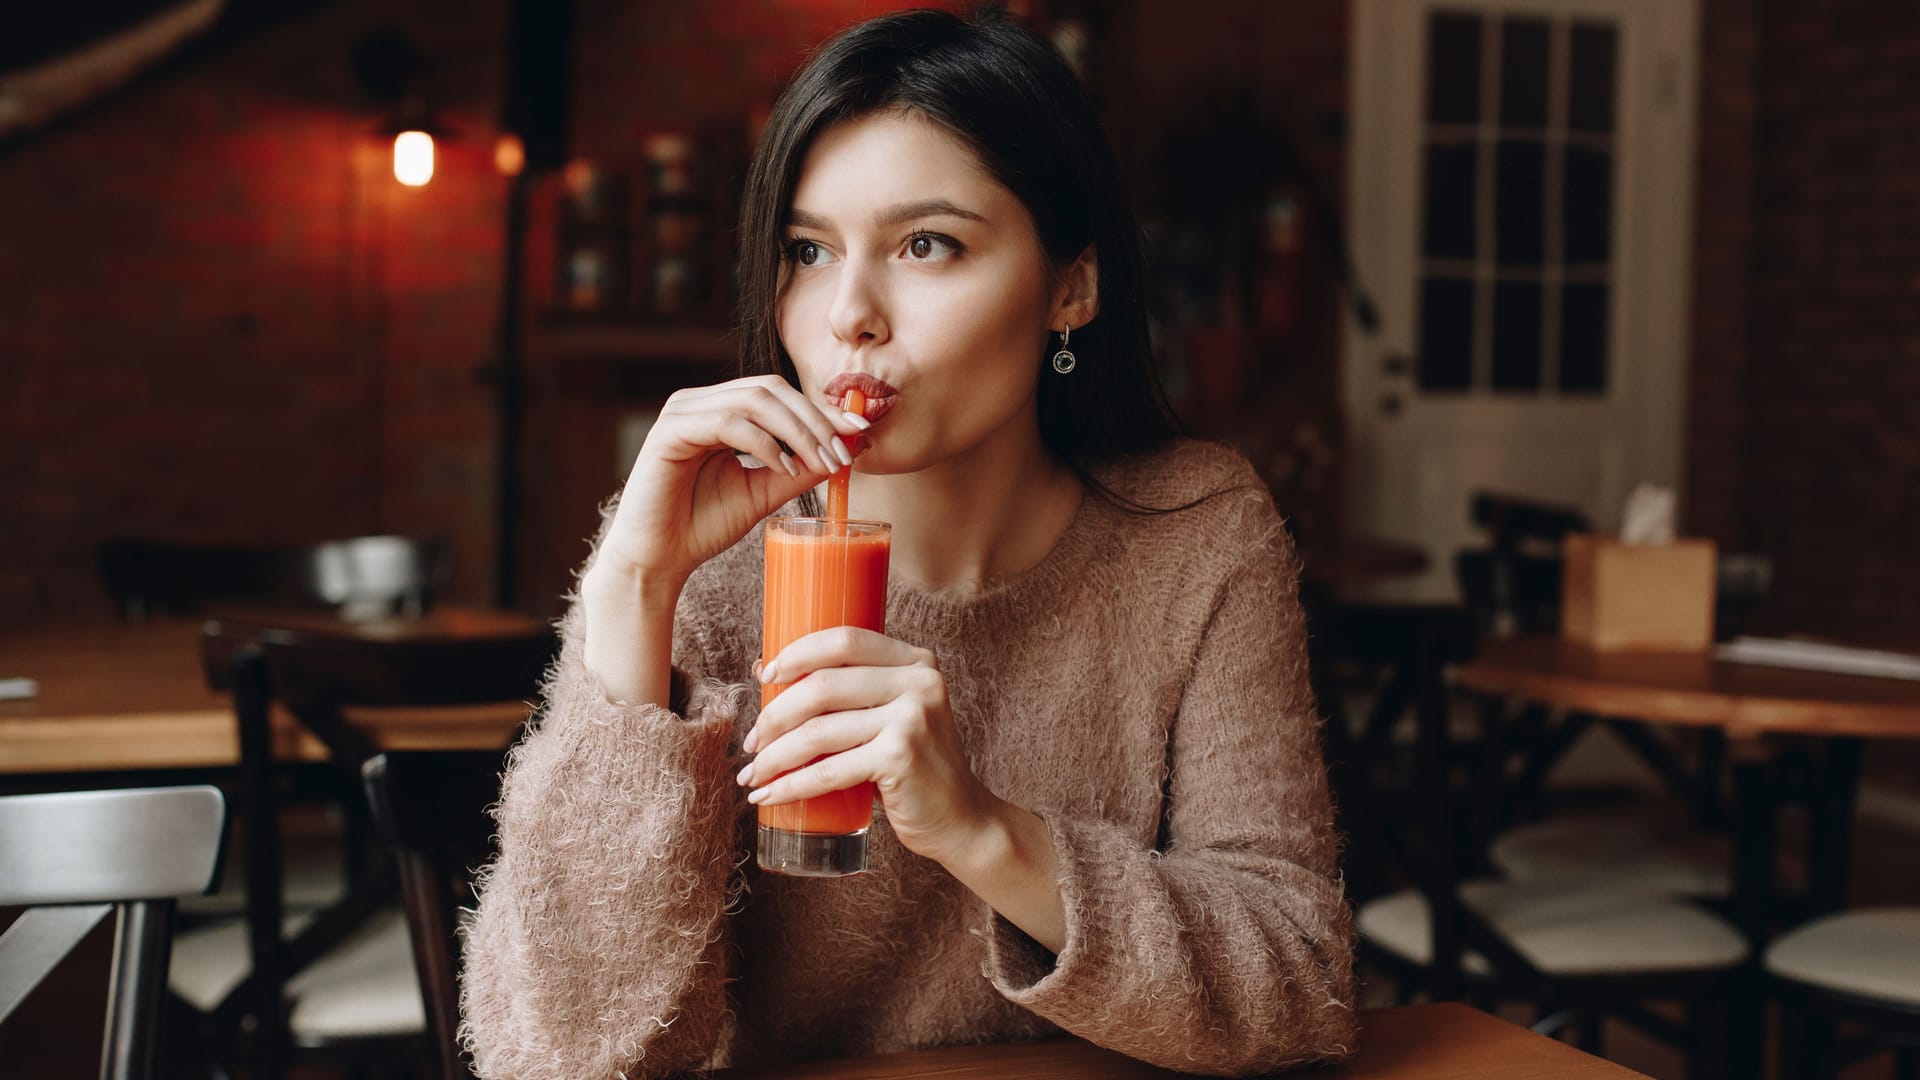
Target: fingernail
<point x="743" y="778"/>
<point x="858" y="421"/>
<point x="786" y="459"/>
<point x="840" y="449"/>
<point x="767" y="671"/>
<point x="829" y="461"/>
<point x="751" y="744"/>
<point x="757" y="795"/>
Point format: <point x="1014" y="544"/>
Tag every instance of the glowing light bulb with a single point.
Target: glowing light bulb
<point x="509" y="154"/>
<point x="413" y="158"/>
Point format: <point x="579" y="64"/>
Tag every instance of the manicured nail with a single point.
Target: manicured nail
<point x="858" y="421"/>
<point x="840" y="450"/>
<point x="768" y="671"/>
<point x="829" y="461"/>
<point x="786" y="460"/>
<point x="757" y="795"/>
<point x="746" y="776"/>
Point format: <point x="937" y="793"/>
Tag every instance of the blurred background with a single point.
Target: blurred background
<point x="1456" y="276"/>
<point x="224" y="318"/>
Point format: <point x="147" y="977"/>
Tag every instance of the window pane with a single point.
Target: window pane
<point x="1523" y="72"/>
<point x="1516" y="335"/>
<point x="1583" y="339"/>
<point x="1587" y="209"/>
<point x="1453" y="69"/>
<point x="1520" y="197"/>
<point x="1590" y="85"/>
<point x="1450" y="202"/>
<point x="1446" y="334"/>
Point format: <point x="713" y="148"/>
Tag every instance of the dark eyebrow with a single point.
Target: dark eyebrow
<point x="890" y="215"/>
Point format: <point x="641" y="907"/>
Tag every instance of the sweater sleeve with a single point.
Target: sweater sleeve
<point x="596" y="947"/>
<point x="1230" y="951"/>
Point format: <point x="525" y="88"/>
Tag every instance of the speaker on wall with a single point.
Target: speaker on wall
<point x="539" y="82"/>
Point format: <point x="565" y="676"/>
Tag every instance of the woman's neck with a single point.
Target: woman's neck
<point x="991" y="512"/>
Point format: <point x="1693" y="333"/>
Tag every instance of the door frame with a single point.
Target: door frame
<point x="1656" y="253"/>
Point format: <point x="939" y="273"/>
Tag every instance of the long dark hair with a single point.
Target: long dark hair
<point x="1011" y="98"/>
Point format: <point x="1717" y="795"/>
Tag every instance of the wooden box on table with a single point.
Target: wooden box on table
<point x="1637" y="597"/>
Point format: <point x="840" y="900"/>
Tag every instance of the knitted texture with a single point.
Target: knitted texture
<point x="1143" y="689"/>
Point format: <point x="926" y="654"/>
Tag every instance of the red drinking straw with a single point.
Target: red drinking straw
<point x="855" y="402"/>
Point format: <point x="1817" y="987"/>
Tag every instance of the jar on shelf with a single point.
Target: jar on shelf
<point x="679" y="219"/>
<point x="594" y="237"/>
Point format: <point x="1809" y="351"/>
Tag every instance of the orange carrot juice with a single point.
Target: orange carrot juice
<point x="820" y="574"/>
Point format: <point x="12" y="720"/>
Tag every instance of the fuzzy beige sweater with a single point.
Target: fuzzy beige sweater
<point x="1143" y="689"/>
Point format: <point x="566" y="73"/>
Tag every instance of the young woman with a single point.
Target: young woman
<point x="1104" y="808"/>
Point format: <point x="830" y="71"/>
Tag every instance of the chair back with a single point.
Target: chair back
<point x="361" y="577"/>
<point x="1428" y="821"/>
<point x="431" y="809"/>
<point x="318" y="676"/>
<point x="72" y="858"/>
<point x="1399" y="816"/>
<point x="1513" y="584"/>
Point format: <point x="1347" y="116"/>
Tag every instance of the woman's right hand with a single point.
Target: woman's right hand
<point x="689" y="498"/>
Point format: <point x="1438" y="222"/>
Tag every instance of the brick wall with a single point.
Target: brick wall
<point x="221" y="319"/>
<point x="1806" y="441"/>
<point x="1723" y="250"/>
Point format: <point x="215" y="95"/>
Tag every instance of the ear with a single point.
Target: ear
<point x="1076" y="296"/>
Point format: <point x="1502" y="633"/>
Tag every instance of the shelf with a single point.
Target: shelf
<point x="619" y="336"/>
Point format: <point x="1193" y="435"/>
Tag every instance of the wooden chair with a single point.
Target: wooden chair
<point x="431" y="809"/>
<point x="73" y="858"/>
<point x="1857" y="967"/>
<point x="1576" y="953"/>
<point x="364" y="576"/>
<point x="1513" y="586"/>
<point x="337" y="986"/>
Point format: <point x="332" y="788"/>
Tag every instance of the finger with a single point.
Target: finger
<point x="828" y="422"/>
<point x="825" y="424"/>
<point x="829" y="774"/>
<point x="827" y="690"/>
<point x="773" y="406"/>
<point x="842" y="646"/>
<point x="745" y="436"/>
<point x="822" y="734"/>
<point x="716" y="421"/>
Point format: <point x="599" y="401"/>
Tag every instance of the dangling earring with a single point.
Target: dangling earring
<point x="1064" y="360"/>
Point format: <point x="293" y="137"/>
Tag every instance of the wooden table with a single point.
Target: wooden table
<point x="1429" y="1042"/>
<point x="1695" y="690"/>
<point x="1760" y="709"/>
<point x="1757" y="707"/>
<point x="120" y="696"/>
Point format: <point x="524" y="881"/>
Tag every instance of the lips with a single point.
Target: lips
<point x="880" y="395"/>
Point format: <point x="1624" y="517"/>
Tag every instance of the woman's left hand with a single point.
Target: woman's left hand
<point x="879" y="708"/>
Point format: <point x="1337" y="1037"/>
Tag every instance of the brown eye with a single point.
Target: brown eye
<point x="806" y="253"/>
<point x="920" y="246"/>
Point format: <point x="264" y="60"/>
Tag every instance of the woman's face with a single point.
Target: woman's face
<point x="907" y="262"/>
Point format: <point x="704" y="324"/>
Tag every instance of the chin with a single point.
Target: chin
<point x="889" y="457"/>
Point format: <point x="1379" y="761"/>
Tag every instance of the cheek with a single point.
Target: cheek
<point x="800" y="321"/>
<point x="983" y="324"/>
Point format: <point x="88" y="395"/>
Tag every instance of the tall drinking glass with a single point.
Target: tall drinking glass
<point x="820" y="574"/>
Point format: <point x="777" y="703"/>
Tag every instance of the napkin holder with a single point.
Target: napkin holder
<point x="1617" y="596"/>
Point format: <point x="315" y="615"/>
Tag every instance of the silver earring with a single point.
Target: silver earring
<point x="1064" y="360"/>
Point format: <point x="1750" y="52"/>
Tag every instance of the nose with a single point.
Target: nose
<point x="857" y="316"/>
